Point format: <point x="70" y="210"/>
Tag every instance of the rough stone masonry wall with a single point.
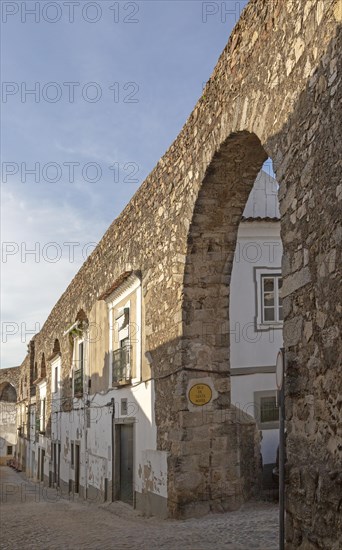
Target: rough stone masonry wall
<point x="273" y="93"/>
<point x="311" y="210"/>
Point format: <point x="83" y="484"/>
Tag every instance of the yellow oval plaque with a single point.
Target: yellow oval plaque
<point x="200" y="394"/>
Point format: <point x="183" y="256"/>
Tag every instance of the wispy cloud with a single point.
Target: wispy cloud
<point x="42" y="249"/>
<point x="167" y="53"/>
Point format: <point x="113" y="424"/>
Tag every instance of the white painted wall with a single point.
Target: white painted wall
<point x="8" y="426"/>
<point x="96" y="462"/>
<point x="243" y="388"/>
<point x="258" y="246"/>
<point x="31" y="462"/>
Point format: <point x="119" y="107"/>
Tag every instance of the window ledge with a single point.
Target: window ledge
<point x="122" y="383"/>
<point x="268" y="426"/>
<point x="268" y="326"/>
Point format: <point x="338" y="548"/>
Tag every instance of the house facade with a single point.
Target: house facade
<point x="256" y="318"/>
<point x="91" y="430"/>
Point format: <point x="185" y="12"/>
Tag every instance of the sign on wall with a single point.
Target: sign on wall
<point x="200" y="394"/>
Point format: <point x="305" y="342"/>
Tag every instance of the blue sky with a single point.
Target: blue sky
<point x="134" y="86"/>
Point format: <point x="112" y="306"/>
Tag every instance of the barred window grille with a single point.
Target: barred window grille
<point x="122" y="365"/>
<point x="78" y="381"/>
<point x="269" y="411"/>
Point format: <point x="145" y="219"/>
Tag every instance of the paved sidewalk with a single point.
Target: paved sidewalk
<point x="34" y="518"/>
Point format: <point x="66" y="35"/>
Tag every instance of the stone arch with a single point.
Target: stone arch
<point x="81" y="317"/>
<point x="211" y="246"/>
<point x="9" y="389"/>
<point x="216" y="213"/>
<point x="300" y="135"/>
<point x="8" y="392"/>
<point x="56" y="347"/>
<point x="10" y="376"/>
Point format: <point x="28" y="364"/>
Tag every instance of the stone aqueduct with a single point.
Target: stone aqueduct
<point x="275" y="92"/>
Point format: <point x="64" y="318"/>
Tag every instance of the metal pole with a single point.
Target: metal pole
<point x="282" y="460"/>
<point x="85" y="426"/>
<point x="113" y="440"/>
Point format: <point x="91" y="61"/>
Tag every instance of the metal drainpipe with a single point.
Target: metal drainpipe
<point x="86" y="405"/>
<point x="85" y="446"/>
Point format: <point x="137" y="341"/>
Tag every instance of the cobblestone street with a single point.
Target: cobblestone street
<point x="33" y="517"/>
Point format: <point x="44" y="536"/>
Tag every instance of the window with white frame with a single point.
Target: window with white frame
<point x="124" y="308"/>
<point x="79" y="335"/>
<point x="42" y="407"/>
<point x="42" y="415"/>
<point x="269" y="306"/>
<point x="78" y="366"/>
<point x="272" y="307"/>
<point x="122" y="353"/>
<point x="266" y="409"/>
<point x="55" y="372"/>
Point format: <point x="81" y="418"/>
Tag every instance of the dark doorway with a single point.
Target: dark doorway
<point x="54" y="445"/>
<point x="59" y="464"/>
<point x="42" y="459"/>
<point x="56" y="452"/>
<point x="77" y="469"/>
<point x="124" y="462"/>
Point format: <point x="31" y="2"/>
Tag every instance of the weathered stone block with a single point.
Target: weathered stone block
<point x="296" y="281"/>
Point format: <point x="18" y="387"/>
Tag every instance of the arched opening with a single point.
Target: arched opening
<point x="211" y="248"/>
<point x="233" y="474"/>
<point x="256" y="318"/>
<point x="81" y="317"/>
<point x="56" y="347"/>
<point x="8" y="392"/>
<point x="8" y="424"/>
